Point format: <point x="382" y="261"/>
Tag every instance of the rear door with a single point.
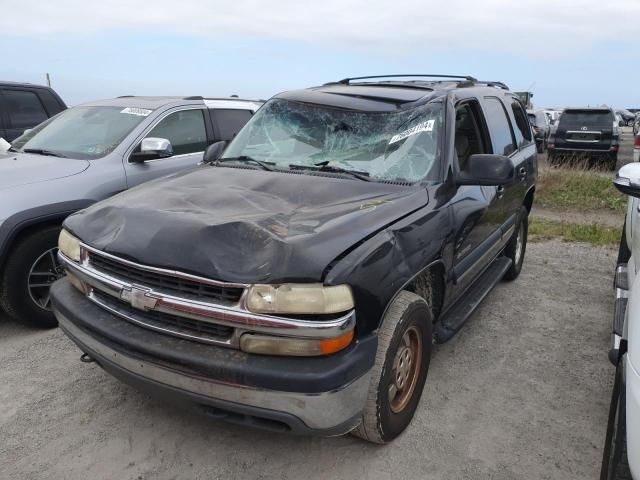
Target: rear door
<point x="186" y="129"/>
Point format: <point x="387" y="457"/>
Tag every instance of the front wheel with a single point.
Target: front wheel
<point x="400" y="369"/>
<point x="615" y="465"/>
<point x="517" y="245"/>
<point x="30" y="270"/>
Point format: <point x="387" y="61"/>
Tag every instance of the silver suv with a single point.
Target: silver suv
<point x="86" y="154"/>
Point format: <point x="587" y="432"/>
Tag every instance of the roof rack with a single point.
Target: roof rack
<point x="491" y="83"/>
<point x="346" y="81"/>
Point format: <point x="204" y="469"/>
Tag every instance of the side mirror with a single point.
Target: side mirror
<point x="152" y="148"/>
<point x="486" y="169"/>
<point x="214" y="151"/>
<point x="628" y="179"/>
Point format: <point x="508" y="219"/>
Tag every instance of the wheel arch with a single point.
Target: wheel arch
<point x="528" y="198"/>
<point x="28" y="221"/>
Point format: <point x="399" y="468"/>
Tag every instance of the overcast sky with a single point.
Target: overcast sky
<point x="571" y="52"/>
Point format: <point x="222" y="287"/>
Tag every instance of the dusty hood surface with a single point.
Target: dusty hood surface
<point x="243" y="225"/>
<point x="18" y="169"/>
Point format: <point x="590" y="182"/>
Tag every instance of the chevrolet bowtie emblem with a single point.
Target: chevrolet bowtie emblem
<point x="138" y="298"/>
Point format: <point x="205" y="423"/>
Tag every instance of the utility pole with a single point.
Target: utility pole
<point x="48" y="81"/>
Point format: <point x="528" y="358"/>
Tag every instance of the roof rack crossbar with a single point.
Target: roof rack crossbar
<point x="345" y="81"/>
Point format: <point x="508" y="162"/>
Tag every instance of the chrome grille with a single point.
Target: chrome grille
<point x="175" y="285"/>
<point x="171" y="324"/>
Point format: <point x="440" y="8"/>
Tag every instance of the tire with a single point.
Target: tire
<point x="17" y="299"/>
<point x="615" y="464"/>
<point x="385" y="417"/>
<point x="517" y="245"/>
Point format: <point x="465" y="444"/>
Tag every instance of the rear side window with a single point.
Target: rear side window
<point x="499" y="127"/>
<point x="185" y="130"/>
<point x="50" y="103"/>
<point x="229" y="122"/>
<point x="24" y="108"/>
<point x="523" y="132"/>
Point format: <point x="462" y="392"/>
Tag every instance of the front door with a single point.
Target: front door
<point x="477" y="211"/>
<point x="186" y="131"/>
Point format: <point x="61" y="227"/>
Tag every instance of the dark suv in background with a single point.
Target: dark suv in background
<point x="585" y="133"/>
<point x="23" y="106"/>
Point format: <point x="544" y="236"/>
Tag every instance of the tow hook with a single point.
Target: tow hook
<point x="86" y="358"/>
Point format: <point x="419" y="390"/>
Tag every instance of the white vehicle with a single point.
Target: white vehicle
<point x="621" y="458"/>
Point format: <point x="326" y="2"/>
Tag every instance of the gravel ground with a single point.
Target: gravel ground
<point x="521" y="392"/>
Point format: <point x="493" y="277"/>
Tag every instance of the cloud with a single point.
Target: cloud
<point x="529" y="27"/>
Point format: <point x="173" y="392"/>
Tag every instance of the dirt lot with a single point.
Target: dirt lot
<point x="521" y="392"/>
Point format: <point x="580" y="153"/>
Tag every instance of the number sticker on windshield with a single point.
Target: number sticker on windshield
<point x="141" y="112"/>
<point x="421" y="127"/>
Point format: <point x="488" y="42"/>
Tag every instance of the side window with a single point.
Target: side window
<point x="50" y="102"/>
<point x="24" y="108"/>
<point x="468" y="137"/>
<point x="185" y="130"/>
<point x="499" y="127"/>
<point x="523" y="132"/>
<point x="230" y="121"/>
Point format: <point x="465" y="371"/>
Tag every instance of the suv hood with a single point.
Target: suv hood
<point x="243" y="225"/>
<point x="18" y="169"/>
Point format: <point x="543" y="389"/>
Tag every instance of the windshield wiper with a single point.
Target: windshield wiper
<point x="327" y="167"/>
<point x="246" y="159"/>
<point x="13" y="149"/>
<point x="41" y="151"/>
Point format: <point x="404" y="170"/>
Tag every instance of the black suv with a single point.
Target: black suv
<point x="297" y="280"/>
<point x="585" y="133"/>
<point x="23" y="106"/>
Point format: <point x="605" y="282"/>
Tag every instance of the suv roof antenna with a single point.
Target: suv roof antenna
<point x="346" y="81"/>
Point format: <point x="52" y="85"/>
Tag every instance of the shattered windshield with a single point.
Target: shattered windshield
<point x="397" y="146"/>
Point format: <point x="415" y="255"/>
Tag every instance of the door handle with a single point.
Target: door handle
<point x="500" y="191"/>
<point x="522" y="172"/>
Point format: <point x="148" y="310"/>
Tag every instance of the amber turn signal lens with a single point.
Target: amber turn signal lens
<point x="293" y="347"/>
<point x="333" y="345"/>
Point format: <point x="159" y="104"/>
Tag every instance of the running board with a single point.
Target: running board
<point x="455" y="317"/>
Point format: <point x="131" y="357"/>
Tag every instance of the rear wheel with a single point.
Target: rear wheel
<point x="30" y="270"/>
<point x="400" y="369"/>
<point x="517" y="245"/>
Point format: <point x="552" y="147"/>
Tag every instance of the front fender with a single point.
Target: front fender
<point x="381" y="266"/>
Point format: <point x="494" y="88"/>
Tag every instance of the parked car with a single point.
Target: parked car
<point x="585" y="131"/>
<point x="636" y="148"/>
<point x="636" y="124"/>
<point x="621" y="459"/>
<point x="297" y="280"/>
<point x="85" y="154"/>
<point x="553" y="115"/>
<point x="541" y="127"/>
<point x="627" y="116"/>
<point x="24" y="105"/>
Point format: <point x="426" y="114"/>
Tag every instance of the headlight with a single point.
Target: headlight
<point x="299" y="298"/>
<point x="69" y="245"/>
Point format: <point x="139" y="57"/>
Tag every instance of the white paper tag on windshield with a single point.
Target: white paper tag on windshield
<point x="421" y="127"/>
<point x="141" y="112"/>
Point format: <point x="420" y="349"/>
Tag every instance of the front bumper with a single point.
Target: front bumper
<point x="321" y="395"/>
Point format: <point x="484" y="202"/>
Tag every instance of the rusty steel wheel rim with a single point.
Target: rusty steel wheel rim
<point x="405" y="370"/>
